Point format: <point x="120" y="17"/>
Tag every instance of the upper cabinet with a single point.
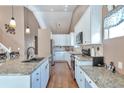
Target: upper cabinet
<point x="96" y="24"/>
<point x="91" y="25"/>
<point x="62" y="39"/>
<point x="84" y="26"/>
<point x="72" y="38"/>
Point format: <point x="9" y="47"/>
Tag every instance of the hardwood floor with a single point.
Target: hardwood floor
<point x="61" y="76"/>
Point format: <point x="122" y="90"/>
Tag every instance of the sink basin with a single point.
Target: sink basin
<point x="33" y="60"/>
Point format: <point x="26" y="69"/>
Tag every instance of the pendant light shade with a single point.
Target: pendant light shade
<point x="27" y="30"/>
<point x="12" y="22"/>
<point x="27" y="27"/>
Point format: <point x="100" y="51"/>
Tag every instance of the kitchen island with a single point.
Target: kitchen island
<point x="18" y="74"/>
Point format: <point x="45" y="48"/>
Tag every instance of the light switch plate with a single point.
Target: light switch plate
<point x="120" y="65"/>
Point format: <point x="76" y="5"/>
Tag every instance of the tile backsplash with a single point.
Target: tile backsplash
<point x="96" y="49"/>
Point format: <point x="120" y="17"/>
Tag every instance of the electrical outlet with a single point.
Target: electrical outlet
<point x="120" y="65"/>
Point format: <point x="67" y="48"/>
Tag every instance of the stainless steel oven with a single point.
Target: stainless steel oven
<point x="73" y="65"/>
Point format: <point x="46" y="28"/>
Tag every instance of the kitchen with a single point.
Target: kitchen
<point x="50" y="42"/>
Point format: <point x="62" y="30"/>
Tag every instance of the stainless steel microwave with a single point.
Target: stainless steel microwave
<point x="79" y="38"/>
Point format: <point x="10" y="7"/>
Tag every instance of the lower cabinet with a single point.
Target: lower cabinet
<point x="83" y="80"/>
<point x="81" y="77"/>
<point x="44" y="74"/>
<point x="88" y="82"/>
<point x="59" y="56"/>
<point x="36" y="78"/>
<point x="40" y="76"/>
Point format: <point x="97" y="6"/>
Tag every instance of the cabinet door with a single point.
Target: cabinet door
<point x="88" y="82"/>
<point x="36" y="79"/>
<point x="72" y="38"/>
<point x="76" y="71"/>
<point x="81" y="79"/>
<point x="96" y="24"/>
<point x="59" y="56"/>
<point x="44" y="74"/>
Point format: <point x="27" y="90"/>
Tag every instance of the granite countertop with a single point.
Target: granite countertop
<point x="14" y="67"/>
<point x="104" y="78"/>
<point x="83" y="58"/>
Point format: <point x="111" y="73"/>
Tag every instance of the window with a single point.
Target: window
<point x="116" y="31"/>
<point x="114" y="24"/>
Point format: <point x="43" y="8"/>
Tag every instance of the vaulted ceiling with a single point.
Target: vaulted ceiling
<point x="57" y="18"/>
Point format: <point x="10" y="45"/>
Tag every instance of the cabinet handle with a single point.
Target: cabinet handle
<point x="37" y="73"/>
<point x="46" y="66"/>
<point x="37" y="79"/>
<point x="89" y="81"/>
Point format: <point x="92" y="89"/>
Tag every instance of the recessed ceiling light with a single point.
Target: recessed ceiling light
<point x="66" y="6"/>
<point x="51" y="9"/>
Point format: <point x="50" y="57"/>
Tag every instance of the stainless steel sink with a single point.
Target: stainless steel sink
<point x="33" y="60"/>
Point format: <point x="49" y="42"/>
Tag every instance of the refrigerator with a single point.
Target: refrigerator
<point x="52" y="51"/>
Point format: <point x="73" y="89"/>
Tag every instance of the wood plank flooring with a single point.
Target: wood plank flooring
<point x="61" y="76"/>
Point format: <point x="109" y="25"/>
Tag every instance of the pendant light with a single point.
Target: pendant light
<point x="12" y="23"/>
<point x="27" y="27"/>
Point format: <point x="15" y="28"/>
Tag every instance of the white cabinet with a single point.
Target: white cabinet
<point x="44" y="74"/>
<point x="62" y="40"/>
<point x="81" y="78"/>
<point x="88" y="82"/>
<point x="96" y="24"/>
<point x="62" y="55"/>
<point x="79" y="74"/>
<point x="72" y="38"/>
<point x="59" y="56"/>
<point x="40" y="76"/>
<point x="84" y="26"/>
<point x="36" y="78"/>
<point x="91" y="25"/>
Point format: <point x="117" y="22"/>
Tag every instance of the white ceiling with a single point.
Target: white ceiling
<point x="56" y="17"/>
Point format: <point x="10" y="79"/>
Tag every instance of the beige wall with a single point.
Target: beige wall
<point x="30" y="19"/>
<point x="113" y="48"/>
<point x="14" y="41"/>
<point x="114" y="51"/>
<point x="44" y="36"/>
